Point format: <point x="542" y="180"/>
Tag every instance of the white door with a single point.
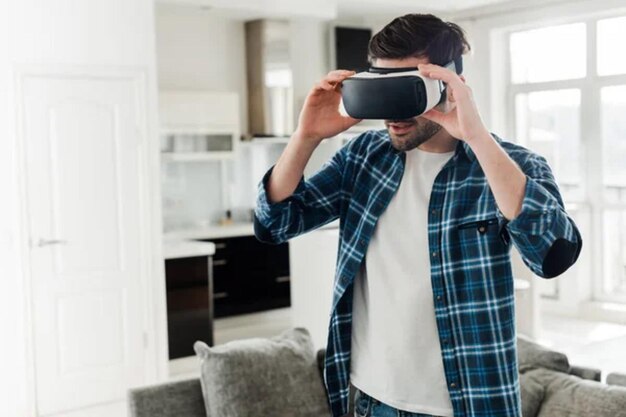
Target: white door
<point x="87" y="252"/>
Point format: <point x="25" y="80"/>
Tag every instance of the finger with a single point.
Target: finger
<point x="434" y="116"/>
<point x="339" y="74"/>
<point x="440" y="73"/>
<point x="431" y="67"/>
<point x="441" y="117"/>
<point x="318" y="86"/>
<point x="327" y="85"/>
<point x="446" y="76"/>
<point x="348" y="122"/>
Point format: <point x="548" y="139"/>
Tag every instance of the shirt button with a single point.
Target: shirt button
<point x="433" y="211"/>
<point x="438" y="297"/>
<point x="361" y="242"/>
<point x="481" y="229"/>
<point x="434" y="254"/>
<point x="453" y="385"/>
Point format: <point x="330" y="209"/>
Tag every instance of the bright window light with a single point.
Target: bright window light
<point x="548" y="54"/>
<point x="611" y="36"/>
<point x="548" y="122"/>
<point x="613" y="101"/>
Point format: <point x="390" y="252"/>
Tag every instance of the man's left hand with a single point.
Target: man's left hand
<point x="463" y="120"/>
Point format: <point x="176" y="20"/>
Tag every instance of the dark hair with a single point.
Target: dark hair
<point x="421" y="36"/>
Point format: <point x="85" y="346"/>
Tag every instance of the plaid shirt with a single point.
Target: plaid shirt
<point x="469" y="246"/>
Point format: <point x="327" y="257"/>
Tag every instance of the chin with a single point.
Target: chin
<point x="408" y="141"/>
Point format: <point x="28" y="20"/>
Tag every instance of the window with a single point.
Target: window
<point x="549" y="121"/>
<point x="556" y="75"/>
<point x="547" y="54"/>
<point x="611" y="35"/>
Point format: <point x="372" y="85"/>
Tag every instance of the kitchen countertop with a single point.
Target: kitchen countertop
<point x="213" y="231"/>
<point x="178" y="248"/>
<point x="217" y="231"/>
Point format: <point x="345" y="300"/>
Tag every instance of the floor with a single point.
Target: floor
<point x="266" y="324"/>
<point x="587" y="343"/>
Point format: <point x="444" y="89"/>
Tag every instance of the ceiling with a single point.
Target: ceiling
<point x="372" y="7"/>
<point x="341" y="9"/>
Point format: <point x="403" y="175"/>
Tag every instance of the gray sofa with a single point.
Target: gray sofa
<point x="550" y="388"/>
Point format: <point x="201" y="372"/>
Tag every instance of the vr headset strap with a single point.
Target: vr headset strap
<point x="455" y="65"/>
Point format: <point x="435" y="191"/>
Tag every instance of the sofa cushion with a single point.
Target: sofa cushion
<point x="532" y="355"/>
<point x="276" y="376"/>
<point x="571" y="396"/>
<point x="616" y="378"/>
<point x="532" y="393"/>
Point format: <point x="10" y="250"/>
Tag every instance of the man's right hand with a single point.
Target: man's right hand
<point x="320" y="117"/>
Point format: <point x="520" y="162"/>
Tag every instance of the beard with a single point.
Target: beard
<point x="419" y="131"/>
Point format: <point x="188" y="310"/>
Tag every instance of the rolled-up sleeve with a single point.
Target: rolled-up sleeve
<point x="547" y="239"/>
<point x="315" y="201"/>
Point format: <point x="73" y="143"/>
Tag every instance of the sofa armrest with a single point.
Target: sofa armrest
<point x="569" y="395"/>
<point x="171" y="399"/>
<point x="585" y="372"/>
<point x="616" y="378"/>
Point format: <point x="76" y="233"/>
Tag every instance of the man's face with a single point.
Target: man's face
<point x="408" y="134"/>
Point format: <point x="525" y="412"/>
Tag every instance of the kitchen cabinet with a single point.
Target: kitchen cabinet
<point x="189" y="286"/>
<point x="199" y="125"/>
<point x="189" y="307"/>
<point x="249" y="276"/>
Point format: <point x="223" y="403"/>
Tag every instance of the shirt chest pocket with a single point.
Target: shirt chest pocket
<point x="483" y="230"/>
<point x="481" y="226"/>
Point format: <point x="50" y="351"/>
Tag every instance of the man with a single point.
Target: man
<point x="423" y="318"/>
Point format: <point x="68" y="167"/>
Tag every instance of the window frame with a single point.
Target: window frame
<point x="591" y="143"/>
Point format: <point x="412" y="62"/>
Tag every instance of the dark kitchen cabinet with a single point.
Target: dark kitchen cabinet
<point x="249" y="276"/>
<point x="189" y="305"/>
<point x="243" y="276"/>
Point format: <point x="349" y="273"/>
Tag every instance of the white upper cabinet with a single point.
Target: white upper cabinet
<point x="199" y="125"/>
<point x="198" y="109"/>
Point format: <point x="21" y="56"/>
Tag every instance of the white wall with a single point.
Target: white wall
<point x="49" y="35"/>
<point x="201" y="49"/>
<point x="12" y="348"/>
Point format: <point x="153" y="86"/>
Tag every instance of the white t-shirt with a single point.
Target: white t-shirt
<point x="396" y="354"/>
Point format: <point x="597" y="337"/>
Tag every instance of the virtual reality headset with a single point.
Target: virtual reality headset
<point x="393" y="93"/>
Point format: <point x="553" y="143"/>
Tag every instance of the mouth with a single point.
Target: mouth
<point x="400" y="128"/>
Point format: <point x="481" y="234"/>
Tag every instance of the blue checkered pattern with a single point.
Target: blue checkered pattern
<point x="469" y="245"/>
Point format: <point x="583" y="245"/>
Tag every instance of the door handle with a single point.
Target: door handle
<point x="48" y="242"/>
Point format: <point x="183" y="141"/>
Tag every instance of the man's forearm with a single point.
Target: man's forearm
<point x="506" y="179"/>
<point x="290" y="167"/>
